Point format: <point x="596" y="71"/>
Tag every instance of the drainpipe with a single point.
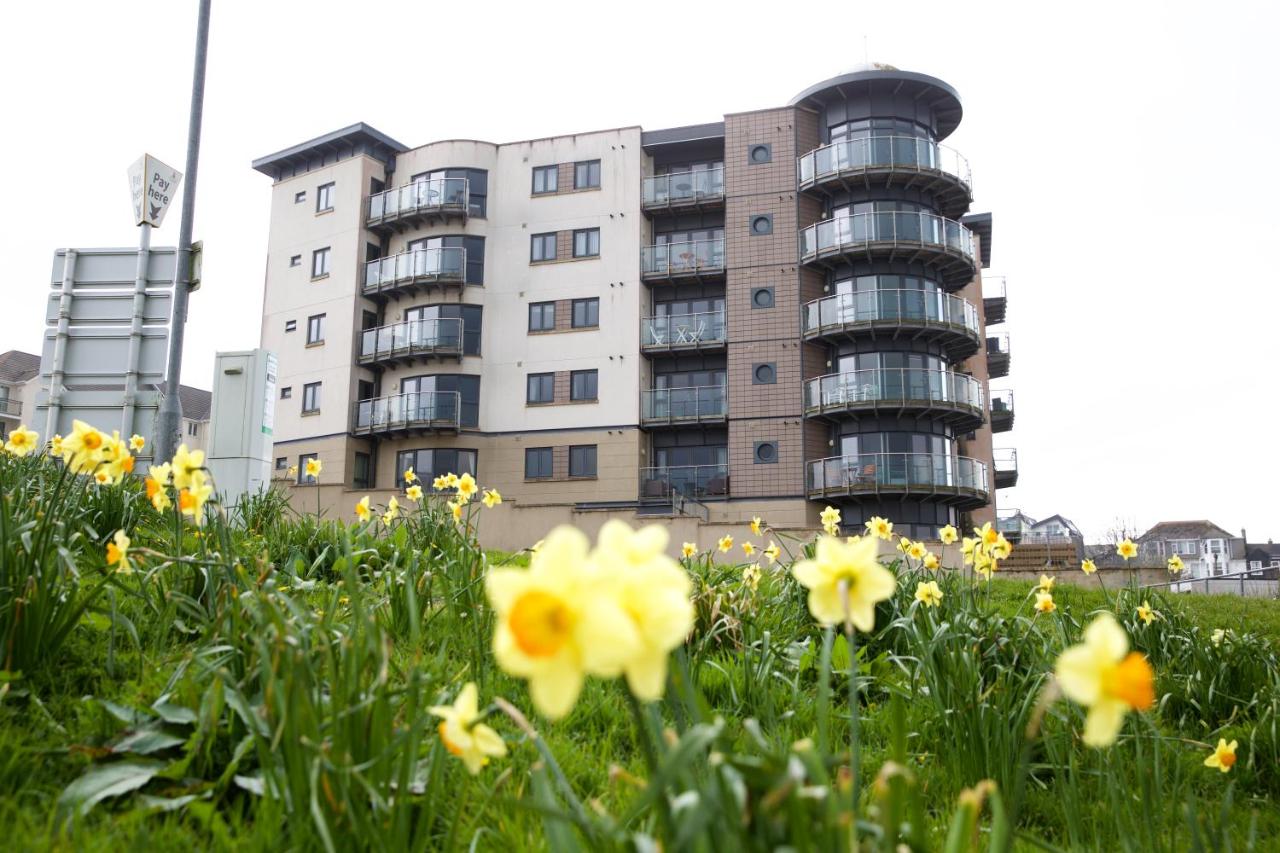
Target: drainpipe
<point x="56" y="370"/>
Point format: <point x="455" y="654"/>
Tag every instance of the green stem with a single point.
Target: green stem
<point x="855" y="764"/>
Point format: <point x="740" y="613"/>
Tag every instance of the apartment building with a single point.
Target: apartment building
<point x="756" y="316"/>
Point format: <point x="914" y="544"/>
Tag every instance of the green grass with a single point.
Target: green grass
<point x="263" y="685"/>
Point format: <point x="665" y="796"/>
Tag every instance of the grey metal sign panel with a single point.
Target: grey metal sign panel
<point x="115" y="268"/>
<point x="112" y="308"/>
<point x="97" y="355"/>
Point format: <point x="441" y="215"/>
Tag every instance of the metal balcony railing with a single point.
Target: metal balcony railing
<point x="894" y="387"/>
<point x="437" y="336"/>
<point x="437" y="195"/>
<point x="900" y="153"/>
<point x="898" y="472"/>
<point x="690" y="481"/>
<point x="914" y="230"/>
<point x="916" y="307"/>
<point x="683" y="188"/>
<point x="1001" y="411"/>
<point x="698" y="330"/>
<point x="415" y="410"/>
<point x="683" y="405"/>
<point x="690" y="258"/>
<point x="421" y="266"/>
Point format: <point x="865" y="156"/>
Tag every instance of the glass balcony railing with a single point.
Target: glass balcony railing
<point x="11" y="407"/>
<point x="421" y="265"/>
<point x="907" y="228"/>
<point x="691" y="481"/>
<point x="441" y="336"/>
<point x="898" y="472"/>
<point x="836" y="313"/>
<point x="1005" y="461"/>
<point x="683" y="331"/>
<point x="698" y="257"/>
<point x="906" y="153"/>
<point x="411" y="411"/>
<point x="420" y="197"/>
<point x="683" y="405"/>
<point x="904" y="386"/>
<point x="681" y="188"/>
<point x="1001" y="411"/>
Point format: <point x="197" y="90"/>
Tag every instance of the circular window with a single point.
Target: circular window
<point x="761" y="225"/>
<point x="761" y="154"/>
<point x="764" y="374"/>
<point x="762" y="297"/>
<point x="767" y="451"/>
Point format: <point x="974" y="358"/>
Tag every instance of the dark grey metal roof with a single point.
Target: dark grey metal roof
<point x="688" y="133"/>
<point x="18" y="366"/>
<point x="980" y="224"/>
<point x="942" y="97"/>
<point x="196" y="402"/>
<point x="351" y="140"/>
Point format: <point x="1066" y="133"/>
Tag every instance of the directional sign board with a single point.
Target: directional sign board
<point x="153" y="186"/>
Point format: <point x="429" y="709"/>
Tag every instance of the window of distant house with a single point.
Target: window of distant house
<point x="542" y="316"/>
<point x="543" y="247"/>
<point x="545" y="179"/>
<point x="586" y="174"/>
<point x="320" y="262"/>
<point x="586" y="313"/>
<point x="311" y="397"/>
<point x="286" y="392"/>
<point x="324" y="198"/>
<point x="295" y="261"/>
<point x="582" y="460"/>
<point x="541" y="388"/>
<point x="315" y="329"/>
<point x="537" y="463"/>
<point x="582" y="384"/>
<point x="586" y="243"/>
<point x="193" y="428"/>
<point x="300" y="197"/>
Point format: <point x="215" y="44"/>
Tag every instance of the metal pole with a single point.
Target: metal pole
<point x="169" y="419"/>
<point x="135" y="329"/>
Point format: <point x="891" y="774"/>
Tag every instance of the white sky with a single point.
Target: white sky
<point x="1113" y="142"/>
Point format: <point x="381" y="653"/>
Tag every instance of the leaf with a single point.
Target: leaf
<point x="172" y="713"/>
<point x="107" y="780"/>
<point x="146" y="741"/>
<point x="166" y="804"/>
<point x="126" y="715"/>
<point x="252" y="784"/>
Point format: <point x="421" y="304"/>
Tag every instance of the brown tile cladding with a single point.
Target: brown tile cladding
<point x="564" y="177"/>
<point x="564" y="315"/>
<point x="564" y="245"/>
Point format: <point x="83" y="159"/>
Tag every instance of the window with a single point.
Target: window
<point x="286" y="392"/>
<point x="586" y="313"/>
<point x="762" y="297"/>
<point x="1255" y="564"/>
<point x="446" y="333"/>
<point x="537" y="463"/>
<point x="582" y="384"/>
<point x="766" y="452"/>
<point x="582" y="460"/>
<point x="320" y="263"/>
<point x="290" y="325"/>
<point x="761" y="153"/>
<point x="429" y="464"/>
<point x="300" y="197"/>
<point x="453" y="187"/>
<point x="435" y="396"/>
<point x="586" y="174"/>
<point x="324" y="197"/>
<point x="545" y="179"/>
<point x="447" y="262"/>
<point x="193" y="428"/>
<point x="1183" y="547"/>
<point x="543" y="247"/>
<point x="302" y="467"/>
<point x="764" y="374"/>
<point x="542" y="316"/>
<point x="282" y="462"/>
<point x="315" y="329"/>
<point x="295" y="261"/>
<point x="586" y="243"/>
<point x="361" y="470"/>
<point x="762" y="224"/>
<point x="542" y="388"/>
<point x="311" y="397"/>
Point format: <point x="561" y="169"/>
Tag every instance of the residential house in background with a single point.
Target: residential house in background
<point x="1205" y="548"/>
<point x="1259" y="556"/>
<point x="1015" y="525"/>
<point x="1055" y="528"/>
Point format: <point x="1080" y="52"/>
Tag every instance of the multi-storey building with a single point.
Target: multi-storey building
<point x="758" y="316"/>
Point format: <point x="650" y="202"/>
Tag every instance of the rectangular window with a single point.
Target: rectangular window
<point x="542" y="316"/>
<point x="320" y="263"/>
<point x="193" y="428"/>
<point x="429" y="464"/>
<point x="300" y="197"/>
<point x="586" y="313"/>
<point x="295" y="261"/>
<point x="315" y="329"/>
<point x="545" y="179"/>
<point x="302" y="467"/>
<point x="286" y="392"/>
<point x="582" y="384"/>
<point x="537" y="463"/>
<point x="586" y="243"/>
<point x="542" y="388"/>
<point x="290" y="325"/>
<point x="1255" y="564"/>
<point x="282" y="462"/>
<point x="582" y="460"/>
<point x="311" y="397"/>
<point x="360" y="475"/>
<point x="324" y="198"/>
<point x="543" y="247"/>
<point x="586" y="174"/>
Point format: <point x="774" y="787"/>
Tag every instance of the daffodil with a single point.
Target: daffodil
<point x="22" y="441"/>
<point x="1046" y="583"/>
<point x="948" y="534"/>
<point x="409" y="476"/>
<point x="187" y="463"/>
<point x="967" y="549"/>
<point x="772" y="552"/>
<point x="491" y="498"/>
<point x="845" y="581"/>
<point x="983" y="564"/>
<point x="414" y="493"/>
<point x="363" y="512"/>
<point x="726" y="542"/>
<point x="751" y="577"/>
<point x="462" y="733"/>
<point x="156" y="484"/>
<point x="881" y="527"/>
<point x="755" y="526"/>
<point x="749" y="549"/>
<point x="688" y="549"/>
<point x="455" y="509"/>
<point x="292" y="472"/>
<point x="830" y="520"/>
<point x="904" y="543"/>
<point x="929" y="593"/>
<point x="118" y="553"/>
<point x="916" y="550"/>
<point x="440" y="483"/>
<point x="116" y="457"/>
<point x="392" y="513"/>
<point x="451" y="480"/>
<point x="1104" y="676"/>
<point x="931" y="562"/>
<point x="987" y="534"/>
<point x="1218" y="636"/>
<point x="136" y="443"/>
<point x="82" y="450"/>
<point x="191" y="500"/>
<point x="1127" y="549"/>
<point x="1146" y="613"/>
<point x="1224" y="755"/>
<point x="314" y="467"/>
<point x="1088" y="567"/>
<point x="1044" y="602"/>
<point x="559" y="620"/>
<point x="466" y="487"/>
<point x="1175" y="564"/>
<point x="102" y="478"/>
<point x="1001" y="548"/>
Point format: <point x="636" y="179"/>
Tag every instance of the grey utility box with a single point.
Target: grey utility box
<point x="243" y="415"/>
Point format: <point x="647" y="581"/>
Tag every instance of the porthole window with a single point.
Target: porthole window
<point x="762" y="224"/>
<point x="760" y="153"/>
<point x="762" y="297"/>
<point x="766" y="452"/>
<point x="764" y="374"/>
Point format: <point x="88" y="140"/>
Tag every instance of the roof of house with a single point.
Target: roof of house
<point x="1271" y="549"/>
<point x="1061" y="519"/>
<point x="18" y="366"/>
<point x="196" y="402"/>
<point x="1198" y="529"/>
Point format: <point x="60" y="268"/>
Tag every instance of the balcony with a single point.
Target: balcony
<point x="690" y="481"/>
<point x="894" y="315"/>
<point x="698" y="260"/>
<point x="858" y="165"/>
<point x="411" y="341"/>
<point x="698" y="332"/>
<point x="409" y="271"/>
<point x="1006" y="465"/>
<point x="679" y="192"/>
<point x="10" y="408"/>
<point x="955" y="480"/>
<point x="1001" y="411"/>
<point x="414" y="413"/>
<point x="674" y="407"/>
<point x="994" y="307"/>
<point x="418" y="203"/>
<point x="950" y="397"/>
<point x="998" y="357"/>
<point x="925" y="238"/>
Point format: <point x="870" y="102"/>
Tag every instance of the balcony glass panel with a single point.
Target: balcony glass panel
<point x="683" y="330"/>
<point x="682" y="258"/>
<point x="439" y="262"/>
<point x="869" y="306"/>
<point x="702" y="402"/>
<point x="684" y="187"/>
<point x="422" y="196"/>
<point x="877" y="152"/>
<point x="412" y="336"/>
<point x="913" y="227"/>
<point x="414" y="409"/>
<point x="893" y="385"/>
<point x="873" y="471"/>
<point x="692" y="481"/>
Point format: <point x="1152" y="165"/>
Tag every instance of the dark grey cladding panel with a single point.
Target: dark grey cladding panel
<point x="680" y="135"/>
<point x="349" y="141"/>
<point x="980" y="224"/>
<point x="885" y="94"/>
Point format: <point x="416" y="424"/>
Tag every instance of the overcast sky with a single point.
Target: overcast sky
<point x="1126" y="149"/>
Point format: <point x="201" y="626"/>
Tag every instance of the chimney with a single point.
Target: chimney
<point x="1244" y="536"/>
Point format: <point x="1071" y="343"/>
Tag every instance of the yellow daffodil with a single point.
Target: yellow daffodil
<point x="491" y="498"/>
<point x="451" y="480"/>
<point x="987" y="535"/>
<point x="455" y="509"/>
<point x="22" y="441"/>
<point x="392" y="513"/>
<point x="904" y="543"/>
<point x="881" y="527"/>
<point x="931" y="562"/>
<point x="314" y="467"/>
<point x="688" y="550"/>
<point x="136" y="443"/>
<point x="363" y="512"/>
<point x="948" y="534"/>
<point x="187" y="463"/>
<point x="1104" y="676"/>
<point x="843" y="575"/>
<point x="440" y="483"/>
<point x="409" y="476"/>
<point x="466" y="487"/>
<point x="983" y="564"/>
<point x="755" y="526"/>
<point x="1224" y="755"/>
<point x="1146" y="613"/>
<point x="55" y="446"/>
<point x="414" y="493"/>
<point x="1001" y="548"/>
<point x="1046" y="583"/>
<point x="929" y="593"/>
<point x="748" y="549"/>
<point x="916" y="550"/>
<point x="462" y="733"/>
<point x="1088" y="567"/>
<point x="830" y="520"/>
<point x="292" y="472"/>
<point x="1175" y="564"/>
<point x="1218" y="636"/>
<point x="115" y="457"/>
<point x="102" y="478"/>
<point x="1127" y="549"/>
<point x="772" y="552"/>
<point x="191" y="500"/>
<point x="726" y="542"/>
<point x="118" y="553"/>
<point x="751" y="577"/>
<point x="1044" y="602"/>
<point x="82" y="450"/>
<point x="968" y="547"/>
<point x="156" y="483"/>
<point x="559" y="620"/>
